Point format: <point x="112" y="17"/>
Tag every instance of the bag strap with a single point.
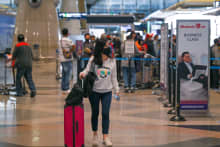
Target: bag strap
<point x="61" y="44"/>
<point x="92" y="67"/>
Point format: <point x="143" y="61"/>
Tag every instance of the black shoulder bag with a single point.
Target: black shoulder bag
<point x="89" y="81"/>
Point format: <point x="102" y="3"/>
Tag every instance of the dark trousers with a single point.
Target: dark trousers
<point x="214" y="78"/>
<point x="27" y="73"/>
<point x="118" y="64"/>
<point x="105" y="99"/>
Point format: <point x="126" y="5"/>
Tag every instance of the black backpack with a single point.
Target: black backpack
<point x="75" y="97"/>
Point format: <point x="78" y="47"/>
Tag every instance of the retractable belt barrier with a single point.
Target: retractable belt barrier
<point x="155" y="59"/>
<point x="214" y="59"/>
<point x="215" y="67"/>
<point x="134" y="59"/>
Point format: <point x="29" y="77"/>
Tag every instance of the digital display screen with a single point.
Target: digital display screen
<point x="72" y="15"/>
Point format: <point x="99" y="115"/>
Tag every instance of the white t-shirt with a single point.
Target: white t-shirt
<point x="65" y="43"/>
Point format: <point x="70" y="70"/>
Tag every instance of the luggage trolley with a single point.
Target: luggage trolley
<point x="147" y="71"/>
<point x="6" y="74"/>
<point x="3" y="73"/>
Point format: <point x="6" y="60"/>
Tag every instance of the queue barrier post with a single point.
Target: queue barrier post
<point x="173" y="110"/>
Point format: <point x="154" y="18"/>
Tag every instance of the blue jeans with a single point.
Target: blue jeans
<point x="126" y="76"/>
<point x="105" y="99"/>
<point x="75" y="71"/>
<point x="27" y="73"/>
<point x="66" y="75"/>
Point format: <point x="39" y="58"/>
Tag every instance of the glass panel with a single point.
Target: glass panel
<point x="131" y="6"/>
<point x="143" y="4"/>
<point x="157" y="4"/>
<point x="170" y="2"/>
<point x="9" y="3"/>
<point x="113" y="2"/>
<point x="4" y="1"/>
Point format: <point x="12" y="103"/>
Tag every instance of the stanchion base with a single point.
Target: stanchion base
<point x="172" y="111"/>
<point x="160" y="99"/>
<point x="167" y="105"/>
<point x="4" y="93"/>
<point x="178" y="118"/>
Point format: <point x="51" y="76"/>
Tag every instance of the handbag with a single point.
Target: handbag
<point x="66" y="54"/>
<point x="89" y="81"/>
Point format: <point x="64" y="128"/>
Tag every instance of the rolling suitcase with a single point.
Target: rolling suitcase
<point x="74" y="126"/>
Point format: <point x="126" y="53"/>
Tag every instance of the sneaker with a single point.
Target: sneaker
<point x="66" y="92"/>
<point x="107" y="142"/>
<point x="132" y="89"/>
<point x="19" y="95"/>
<point x="33" y="94"/>
<point x="25" y="92"/>
<point x="126" y="90"/>
<point x="95" y="141"/>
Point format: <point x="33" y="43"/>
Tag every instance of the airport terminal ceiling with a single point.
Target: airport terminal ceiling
<point x="137" y="7"/>
<point x="11" y="2"/>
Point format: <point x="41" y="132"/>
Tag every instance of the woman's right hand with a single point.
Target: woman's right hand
<point x="81" y="75"/>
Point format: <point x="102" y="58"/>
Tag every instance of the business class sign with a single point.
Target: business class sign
<point x="193" y="37"/>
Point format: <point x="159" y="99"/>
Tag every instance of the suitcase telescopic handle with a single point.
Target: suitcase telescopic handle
<point x="77" y="126"/>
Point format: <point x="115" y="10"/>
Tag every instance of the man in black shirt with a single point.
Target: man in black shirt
<point x="23" y="63"/>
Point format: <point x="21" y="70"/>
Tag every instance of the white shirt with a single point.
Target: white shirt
<point x="67" y="44"/>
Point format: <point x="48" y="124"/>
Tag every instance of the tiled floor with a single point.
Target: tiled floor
<point x="137" y="120"/>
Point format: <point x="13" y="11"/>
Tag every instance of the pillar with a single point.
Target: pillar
<point x="39" y="25"/>
<point x="72" y="25"/>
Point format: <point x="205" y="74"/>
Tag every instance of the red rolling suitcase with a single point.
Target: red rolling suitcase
<point x="74" y="126"/>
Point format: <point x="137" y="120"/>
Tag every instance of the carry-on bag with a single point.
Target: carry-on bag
<point x="74" y="126"/>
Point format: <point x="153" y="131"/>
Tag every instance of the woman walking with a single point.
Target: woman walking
<point x="104" y="67"/>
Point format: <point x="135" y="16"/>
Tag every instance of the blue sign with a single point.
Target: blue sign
<point x="7" y="26"/>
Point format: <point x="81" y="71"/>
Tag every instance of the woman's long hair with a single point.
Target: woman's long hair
<point x="98" y="52"/>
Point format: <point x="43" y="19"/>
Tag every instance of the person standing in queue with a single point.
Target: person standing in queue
<point x="23" y="63"/>
<point x="87" y="49"/>
<point x="215" y="73"/>
<point x="104" y="67"/>
<point x="129" y="73"/>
